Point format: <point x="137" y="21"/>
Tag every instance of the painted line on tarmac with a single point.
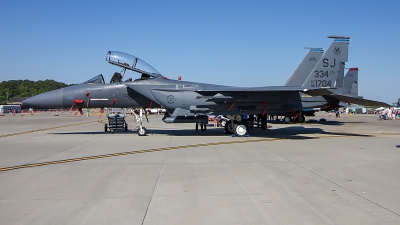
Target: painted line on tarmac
<point x="3" y="169"/>
<point x="44" y="129"/>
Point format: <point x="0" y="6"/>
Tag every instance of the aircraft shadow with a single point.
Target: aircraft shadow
<point x="290" y="132"/>
<point x="323" y="122"/>
<point x="293" y="132"/>
<point x="130" y="132"/>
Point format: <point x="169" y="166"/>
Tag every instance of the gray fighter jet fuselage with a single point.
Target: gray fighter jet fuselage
<point x="191" y="101"/>
<point x="92" y="95"/>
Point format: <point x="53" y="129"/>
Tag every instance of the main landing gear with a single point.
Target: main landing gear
<point x="237" y="126"/>
<point x="239" y="129"/>
<point x="298" y="119"/>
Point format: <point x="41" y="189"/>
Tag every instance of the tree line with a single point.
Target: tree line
<point x="26" y="88"/>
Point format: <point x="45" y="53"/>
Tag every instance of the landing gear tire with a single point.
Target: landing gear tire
<point x="287" y="119"/>
<point x="241" y="130"/>
<point x="222" y="123"/>
<point x="142" y="131"/>
<point x="228" y="127"/>
<point x="301" y="119"/>
<point x="105" y="127"/>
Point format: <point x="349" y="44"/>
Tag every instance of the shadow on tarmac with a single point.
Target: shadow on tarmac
<point x="326" y="122"/>
<point x="293" y="132"/>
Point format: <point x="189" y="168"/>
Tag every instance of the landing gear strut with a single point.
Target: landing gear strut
<point x="142" y="131"/>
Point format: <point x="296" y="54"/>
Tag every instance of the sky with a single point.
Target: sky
<point x="236" y="43"/>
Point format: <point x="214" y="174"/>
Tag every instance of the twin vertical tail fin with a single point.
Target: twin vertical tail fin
<point x="326" y="71"/>
<point x="351" y="82"/>
<point x="306" y="65"/>
<point x="347" y="85"/>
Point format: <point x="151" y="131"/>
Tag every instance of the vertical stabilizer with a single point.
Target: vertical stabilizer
<point x="340" y="76"/>
<point x="306" y="65"/>
<point x="351" y="82"/>
<point x="326" y="71"/>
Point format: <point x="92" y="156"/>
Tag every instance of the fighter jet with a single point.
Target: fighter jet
<point x="191" y="102"/>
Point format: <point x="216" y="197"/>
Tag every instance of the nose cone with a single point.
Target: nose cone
<point x="51" y="99"/>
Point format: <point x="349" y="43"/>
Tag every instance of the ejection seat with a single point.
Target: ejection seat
<point x="116" y="78"/>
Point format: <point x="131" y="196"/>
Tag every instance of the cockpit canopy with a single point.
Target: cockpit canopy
<point x="130" y="62"/>
<point x="99" y="79"/>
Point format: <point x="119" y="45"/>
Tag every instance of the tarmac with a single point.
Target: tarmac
<point x="66" y="170"/>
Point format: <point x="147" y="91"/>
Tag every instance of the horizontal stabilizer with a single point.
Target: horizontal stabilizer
<point x="360" y="101"/>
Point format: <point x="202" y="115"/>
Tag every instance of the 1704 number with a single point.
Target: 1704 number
<point x="321" y="83"/>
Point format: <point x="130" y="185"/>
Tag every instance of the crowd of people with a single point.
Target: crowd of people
<point x="389" y="114"/>
<point x="346" y="110"/>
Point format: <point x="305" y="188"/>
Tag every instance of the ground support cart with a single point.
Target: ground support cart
<point x="116" y="122"/>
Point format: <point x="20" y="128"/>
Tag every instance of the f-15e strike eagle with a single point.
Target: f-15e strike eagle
<point x="318" y="82"/>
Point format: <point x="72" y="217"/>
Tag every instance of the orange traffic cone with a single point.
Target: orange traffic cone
<point x="22" y="112"/>
<point x="101" y="113"/>
<point x="56" y="113"/>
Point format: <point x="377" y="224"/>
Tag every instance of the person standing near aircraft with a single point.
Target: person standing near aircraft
<point x="391" y="113"/>
<point x="216" y="121"/>
<point x="251" y="119"/>
<point x="87" y="112"/>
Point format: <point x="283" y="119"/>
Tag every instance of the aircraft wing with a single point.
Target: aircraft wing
<point x="237" y="93"/>
<point x="256" y="94"/>
<point x="241" y="90"/>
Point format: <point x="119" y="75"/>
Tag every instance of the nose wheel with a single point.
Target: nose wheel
<point x="142" y="131"/>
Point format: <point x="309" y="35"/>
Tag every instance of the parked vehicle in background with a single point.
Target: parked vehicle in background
<point x="10" y="108"/>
